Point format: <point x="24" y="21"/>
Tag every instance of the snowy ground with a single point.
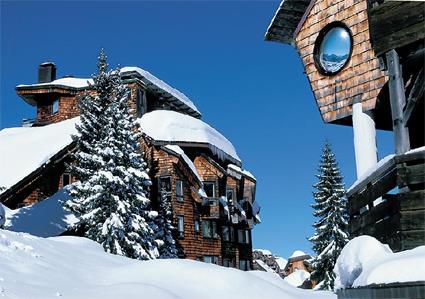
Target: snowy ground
<point x="72" y="267"/>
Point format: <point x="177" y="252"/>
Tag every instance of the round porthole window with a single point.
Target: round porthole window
<point x="333" y="48"/>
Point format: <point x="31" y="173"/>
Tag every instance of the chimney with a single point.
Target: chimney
<point x="46" y="72"/>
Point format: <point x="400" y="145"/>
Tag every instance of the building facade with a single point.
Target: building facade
<point x="364" y="60"/>
<point x="213" y="198"/>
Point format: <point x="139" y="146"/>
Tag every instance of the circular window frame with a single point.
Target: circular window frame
<point x="318" y="42"/>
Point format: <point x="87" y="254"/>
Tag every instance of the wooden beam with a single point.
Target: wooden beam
<point x="398" y="101"/>
<point x="415" y="96"/>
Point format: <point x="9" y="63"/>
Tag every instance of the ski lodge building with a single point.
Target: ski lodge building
<point x="212" y="196"/>
<point x="364" y="60"/>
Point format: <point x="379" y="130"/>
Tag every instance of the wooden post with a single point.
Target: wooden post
<point x="397" y="100"/>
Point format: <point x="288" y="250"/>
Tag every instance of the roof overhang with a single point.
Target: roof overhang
<point x="287" y="20"/>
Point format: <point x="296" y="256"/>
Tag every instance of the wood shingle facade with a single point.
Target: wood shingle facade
<point x="377" y="84"/>
<point x="213" y="199"/>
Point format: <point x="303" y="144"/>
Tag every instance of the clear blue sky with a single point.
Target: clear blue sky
<point x="252" y="91"/>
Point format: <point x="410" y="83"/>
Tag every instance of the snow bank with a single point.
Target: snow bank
<point x="47" y="218"/>
<point x="297" y="253"/>
<point x="297" y="277"/>
<point x="402" y="266"/>
<point x="171" y="126"/>
<point x="72" y="267"/>
<point x="23" y="150"/>
<point x="162" y="85"/>
<point x="365" y="260"/>
<point x="2" y="215"/>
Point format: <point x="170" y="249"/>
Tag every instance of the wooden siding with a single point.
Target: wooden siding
<point x="361" y="79"/>
<point x="394" y="24"/>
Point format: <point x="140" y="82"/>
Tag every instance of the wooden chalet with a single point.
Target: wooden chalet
<point x="364" y="60"/>
<point x="213" y="198"/>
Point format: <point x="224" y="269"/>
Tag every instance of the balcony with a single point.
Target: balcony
<point x="395" y="218"/>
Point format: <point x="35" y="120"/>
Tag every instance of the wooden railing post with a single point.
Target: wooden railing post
<point x="397" y="100"/>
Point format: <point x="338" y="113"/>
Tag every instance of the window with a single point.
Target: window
<point x="333" y="48"/>
<point x="230" y="195"/>
<point x="228" y="233"/>
<point x="209" y="188"/>
<point x="244" y="265"/>
<point x="141" y="102"/>
<point x="211" y="259"/>
<point x="55" y="106"/>
<point x="66" y="179"/>
<point x="179" y="190"/>
<point x="209" y="229"/>
<point x="198" y="258"/>
<point x="164" y="187"/>
<point x="243" y="236"/>
<point x="197" y="226"/>
<point x="229" y="262"/>
<point x="180" y="226"/>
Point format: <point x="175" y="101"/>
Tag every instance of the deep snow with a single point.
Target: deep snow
<point x="364" y="260"/>
<point x="73" y="267"/>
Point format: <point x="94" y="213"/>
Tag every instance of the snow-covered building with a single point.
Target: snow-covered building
<point x="213" y="197"/>
<point x="364" y="62"/>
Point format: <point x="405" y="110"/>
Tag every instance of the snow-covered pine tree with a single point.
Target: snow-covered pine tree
<point x="331" y="227"/>
<point x="110" y="199"/>
<point x="165" y="228"/>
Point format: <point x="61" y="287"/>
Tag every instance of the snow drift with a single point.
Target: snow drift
<point x="364" y="260"/>
<point x="72" y="267"/>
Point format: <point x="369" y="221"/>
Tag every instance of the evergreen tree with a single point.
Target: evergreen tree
<point x="110" y="199"/>
<point x="331" y="227"/>
<point x="165" y="228"/>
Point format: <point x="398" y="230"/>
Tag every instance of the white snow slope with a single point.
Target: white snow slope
<point x="297" y="277"/>
<point x="72" y="267"/>
<point x="23" y="150"/>
<point x="47" y="218"/>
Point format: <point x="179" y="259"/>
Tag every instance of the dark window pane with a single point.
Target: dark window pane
<point x="209" y="188"/>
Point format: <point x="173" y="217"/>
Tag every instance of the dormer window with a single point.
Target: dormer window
<point x="55" y="106"/>
<point x="333" y="48"/>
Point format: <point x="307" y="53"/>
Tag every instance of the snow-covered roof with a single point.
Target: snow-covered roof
<point x="179" y="151"/>
<point x="264" y="251"/>
<point x="281" y="262"/>
<point x="161" y="85"/>
<point x="297" y="253"/>
<point x="240" y="170"/>
<point x="147" y="78"/>
<point x="63" y="82"/>
<point x="177" y="128"/>
<point x="23" y="150"/>
<point x="47" y="218"/>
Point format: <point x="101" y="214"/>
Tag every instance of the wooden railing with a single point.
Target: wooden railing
<point x="398" y="218"/>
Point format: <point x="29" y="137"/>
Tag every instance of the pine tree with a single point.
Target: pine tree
<point x="165" y="228"/>
<point x="331" y="227"/>
<point x="110" y="199"/>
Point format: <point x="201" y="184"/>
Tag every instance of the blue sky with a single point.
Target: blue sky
<point x="252" y="91"/>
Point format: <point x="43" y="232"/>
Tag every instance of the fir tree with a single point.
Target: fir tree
<point x="165" y="228"/>
<point x="110" y="199"/>
<point x="331" y="227"/>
